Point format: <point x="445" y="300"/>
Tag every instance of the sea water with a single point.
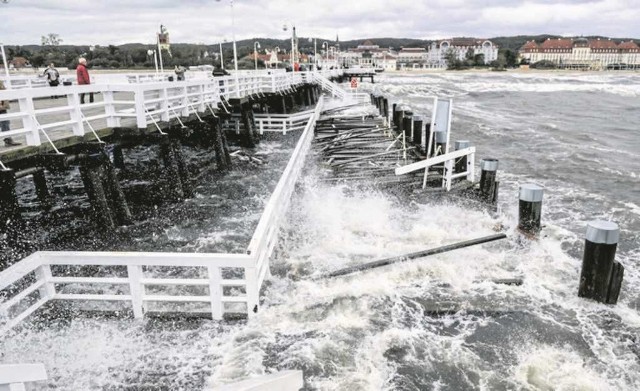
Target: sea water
<point x="437" y="323"/>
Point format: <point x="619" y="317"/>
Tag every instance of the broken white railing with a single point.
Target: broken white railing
<point x="279" y="381"/>
<point x="226" y="283"/>
<point x="20" y="377"/>
<point x="449" y="160"/>
<point x="282" y="123"/>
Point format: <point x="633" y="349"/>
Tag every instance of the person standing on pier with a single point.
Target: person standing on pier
<point x="5" y="125"/>
<point x="53" y="77"/>
<point x="83" y="78"/>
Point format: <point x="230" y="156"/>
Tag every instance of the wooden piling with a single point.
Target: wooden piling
<point x="601" y="275"/>
<point x="42" y="190"/>
<point x="10" y="218"/>
<point x="92" y="178"/>
<point x="489" y="168"/>
<point x="530" y="208"/>
<point x="118" y="202"/>
<point x="172" y="186"/>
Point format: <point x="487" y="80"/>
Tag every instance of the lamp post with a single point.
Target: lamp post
<point x="152" y="52"/>
<point x="4" y="60"/>
<point x="6" y="67"/>
<point x="235" y="49"/>
<point x="221" y="56"/>
<point x="325" y="46"/>
<point x="256" y="46"/>
<point x="315" y="53"/>
<point x="292" y="56"/>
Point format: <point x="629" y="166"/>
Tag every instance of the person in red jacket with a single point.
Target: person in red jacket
<point x="83" y="78"/>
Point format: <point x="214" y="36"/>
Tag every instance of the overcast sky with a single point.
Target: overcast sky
<point x="208" y="21"/>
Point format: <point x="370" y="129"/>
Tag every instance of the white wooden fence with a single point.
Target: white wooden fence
<point x="20" y="377"/>
<point x="34" y="281"/>
<point x="143" y="104"/>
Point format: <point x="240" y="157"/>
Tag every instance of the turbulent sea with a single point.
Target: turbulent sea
<point x="433" y="324"/>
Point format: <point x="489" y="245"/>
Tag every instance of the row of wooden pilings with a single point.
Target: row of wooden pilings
<point x="101" y="163"/>
<point x="601" y="276"/>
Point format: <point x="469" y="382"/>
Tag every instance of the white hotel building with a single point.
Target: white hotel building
<point x="582" y="53"/>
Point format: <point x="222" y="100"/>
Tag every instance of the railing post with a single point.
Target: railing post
<point x="215" y="292"/>
<point x="48" y="290"/>
<point x="76" y="114"/>
<point x="185" y="101"/>
<point x="164" y="105"/>
<point x="141" y="113"/>
<point x="110" y="110"/>
<point x="253" y="290"/>
<point x="26" y="106"/>
<point x="261" y="127"/>
<point x="136" y="290"/>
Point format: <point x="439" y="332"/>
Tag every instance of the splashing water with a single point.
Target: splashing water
<point x="436" y="323"/>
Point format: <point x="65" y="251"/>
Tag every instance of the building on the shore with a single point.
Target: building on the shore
<point x="435" y="56"/>
<point x="462" y="48"/>
<point x="582" y="53"/>
<point x="367" y="55"/>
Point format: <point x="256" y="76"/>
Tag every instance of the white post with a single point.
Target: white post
<point x="6" y="67"/>
<point x="110" y="110"/>
<point x="164" y="103"/>
<point x="141" y="115"/>
<point x="48" y="290"/>
<point x="136" y="289"/>
<point x="221" y="57"/>
<point x="235" y="51"/>
<point x="76" y="114"/>
<point x="27" y="107"/>
<point x="215" y="292"/>
<point x="155" y="61"/>
<point x="253" y="290"/>
<point x="160" y="54"/>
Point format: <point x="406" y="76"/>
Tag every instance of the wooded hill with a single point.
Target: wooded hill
<point x="134" y="55"/>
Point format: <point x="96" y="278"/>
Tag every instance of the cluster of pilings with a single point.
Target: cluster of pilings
<point x="601" y="275"/>
<point x="102" y="163"/>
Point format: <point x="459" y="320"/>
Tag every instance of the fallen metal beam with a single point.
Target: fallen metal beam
<point x="407" y="257"/>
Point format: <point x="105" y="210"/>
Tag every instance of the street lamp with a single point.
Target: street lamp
<point x="315" y="53"/>
<point x="235" y="49"/>
<point x="221" y="56"/>
<point x="292" y="56"/>
<point x="256" y="46"/>
<point x="325" y="46"/>
<point x="4" y="60"/>
<point x="152" y="52"/>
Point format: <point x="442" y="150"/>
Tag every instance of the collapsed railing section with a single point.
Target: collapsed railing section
<point x="147" y="282"/>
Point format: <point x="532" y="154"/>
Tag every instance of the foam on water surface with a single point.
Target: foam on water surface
<point x="435" y="323"/>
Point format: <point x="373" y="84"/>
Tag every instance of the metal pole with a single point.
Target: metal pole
<point x="155" y="61"/>
<point x="221" y="57"/>
<point x="6" y="67"/>
<point x="255" y="54"/>
<point x="160" y="52"/>
<point x="235" y="50"/>
<point x="292" y="56"/>
<point x="315" y="54"/>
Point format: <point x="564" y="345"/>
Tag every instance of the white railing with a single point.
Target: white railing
<point x="328" y="85"/>
<point x="449" y="161"/>
<point x="282" y="123"/>
<point x="228" y="282"/>
<point x="19" y="377"/>
<point x="144" y="103"/>
<point x="279" y="381"/>
<point x="266" y="234"/>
